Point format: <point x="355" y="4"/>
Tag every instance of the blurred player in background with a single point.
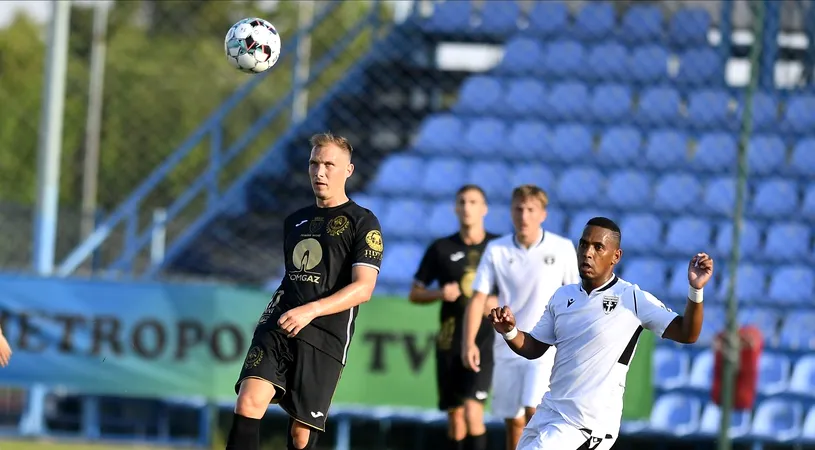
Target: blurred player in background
<point x="526" y="268"/>
<point x="333" y="251"/>
<point x="5" y="350"/>
<point x="595" y="326"/>
<point x="452" y="261"/>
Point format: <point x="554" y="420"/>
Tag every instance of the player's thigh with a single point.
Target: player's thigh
<point x="267" y="362"/>
<point x="507" y="387"/>
<point x="536" y="380"/>
<point x="312" y="381"/>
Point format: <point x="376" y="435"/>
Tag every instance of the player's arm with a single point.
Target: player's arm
<point x="360" y="290"/>
<point x="483" y="286"/>
<point x="686" y="328"/>
<point x="492" y="303"/>
<point x="522" y="343"/>
<point x="425" y="276"/>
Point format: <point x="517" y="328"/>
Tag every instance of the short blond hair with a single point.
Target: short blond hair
<point x="528" y="191"/>
<point x="327" y="138"/>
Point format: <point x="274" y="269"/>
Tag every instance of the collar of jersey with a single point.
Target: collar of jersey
<point x="518" y="244"/>
<point x="602" y="288"/>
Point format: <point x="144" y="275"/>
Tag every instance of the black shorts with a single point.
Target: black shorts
<point x="304" y="377"/>
<point x="457" y="383"/>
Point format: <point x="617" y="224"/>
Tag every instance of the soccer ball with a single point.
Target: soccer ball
<point x="252" y="45"/>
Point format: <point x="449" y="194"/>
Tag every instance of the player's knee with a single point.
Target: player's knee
<point x="474" y="416"/>
<point x="302" y="437"/>
<point x="517" y="423"/>
<point x="456" y="425"/>
<point x="254" y="398"/>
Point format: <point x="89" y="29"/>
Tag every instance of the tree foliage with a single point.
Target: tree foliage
<point x="165" y="73"/>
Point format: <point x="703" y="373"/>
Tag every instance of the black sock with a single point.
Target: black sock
<point x="453" y="444"/>
<point x="312" y="438"/>
<point x="244" y="434"/>
<point x="476" y="442"/>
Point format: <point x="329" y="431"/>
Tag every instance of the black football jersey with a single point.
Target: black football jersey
<point x="321" y="245"/>
<point x="448" y="260"/>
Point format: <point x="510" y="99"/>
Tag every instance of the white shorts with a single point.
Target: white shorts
<point x="547" y="430"/>
<point x="520" y="383"/>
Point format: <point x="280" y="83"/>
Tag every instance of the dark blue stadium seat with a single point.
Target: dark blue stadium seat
<point x="675" y="414"/>
<point x="773" y="373"/>
<point x="642" y="24"/>
<point x="687" y="236"/>
<point x="670" y="367"/>
<point x="714" y="324"/>
<point x="611" y="103"/>
<point x="555" y="221"/>
<point x="485" y="137"/>
<point x="765" y="112"/>
<point x="641" y="233"/>
<point x="709" y="109"/>
<point x="480" y="95"/>
<point x="765" y="319"/>
<point x="579" y="186"/>
<point x="701" y="369"/>
<point x="531" y="173"/>
<point x="777" y="420"/>
<point x="570" y="143"/>
<point x="648" y="64"/>
<point x="405" y="218"/>
<point x="792" y="284"/>
<point x="548" y="19"/>
<point x="676" y="193"/>
<point x="442" y="219"/>
<point x="628" y="190"/>
<point x="711" y="422"/>
<point x="577" y="221"/>
<point x="808" y="427"/>
<point x="563" y="59"/>
<point x="751" y="283"/>
<point x="802" y="160"/>
<point x="688" y="27"/>
<point x="797" y="332"/>
<point x="443" y="177"/>
<point x="449" y="17"/>
<point x="620" y="146"/>
<point x="499" y="18"/>
<point x="666" y="149"/>
<point x="799" y="117"/>
<point x="522" y="56"/>
<point x="802" y="379"/>
<point x="766" y="155"/>
<point x="749" y="240"/>
<point x="567" y="101"/>
<point x="498" y="219"/>
<point x="787" y="242"/>
<point x="808" y="205"/>
<point x="398" y="174"/>
<point x="700" y="67"/>
<point x="525" y="97"/>
<point x="658" y="106"/>
<point x="606" y="62"/>
<point x="528" y="140"/>
<point x="594" y="21"/>
<point x="492" y="176"/>
<point x="650" y="274"/>
<point x="720" y="196"/>
<point x="399" y="263"/>
<point x="775" y="198"/>
<point x="440" y="135"/>
<point x="715" y="152"/>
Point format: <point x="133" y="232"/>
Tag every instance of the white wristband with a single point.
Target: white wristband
<point x="695" y="295"/>
<point x="510" y="335"/>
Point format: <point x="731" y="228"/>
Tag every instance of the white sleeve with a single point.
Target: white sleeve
<point x="485" y="274"/>
<point x="653" y="314"/>
<point x="544" y="330"/>
<point x="570" y="273"/>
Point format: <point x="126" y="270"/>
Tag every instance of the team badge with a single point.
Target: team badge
<point x="374" y="240"/>
<point x="337" y="225"/>
<point x="610" y="302"/>
<point x="253" y="358"/>
<point x="548" y="260"/>
<point x="316" y="225"/>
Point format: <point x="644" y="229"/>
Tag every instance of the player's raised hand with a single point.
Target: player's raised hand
<point x="294" y="320"/>
<point x="700" y="269"/>
<point x="451" y="292"/>
<point x="502" y="319"/>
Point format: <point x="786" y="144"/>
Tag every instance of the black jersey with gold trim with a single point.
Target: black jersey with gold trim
<point x="321" y="246"/>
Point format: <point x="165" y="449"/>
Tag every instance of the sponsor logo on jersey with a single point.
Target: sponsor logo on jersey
<point x="375" y="246"/>
<point x="307" y="255"/>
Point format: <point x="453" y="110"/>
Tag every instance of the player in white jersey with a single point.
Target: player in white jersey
<point x="525" y="268"/>
<point x="595" y="326"/>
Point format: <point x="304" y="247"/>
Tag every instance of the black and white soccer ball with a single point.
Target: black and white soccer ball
<point x="252" y="45"/>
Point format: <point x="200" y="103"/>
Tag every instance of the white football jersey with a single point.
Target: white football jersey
<point x="525" y="278"/>
<point x="595" y="335"/>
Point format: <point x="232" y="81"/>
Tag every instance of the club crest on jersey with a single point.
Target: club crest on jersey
<point x="548" y="260"/>
<point x="337" y="225"/>
<point x="610" y="302"/>
<point x="316" y="225"/>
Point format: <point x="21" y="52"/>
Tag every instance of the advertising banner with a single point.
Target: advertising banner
<point x="176" y="340"/>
